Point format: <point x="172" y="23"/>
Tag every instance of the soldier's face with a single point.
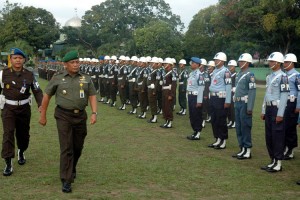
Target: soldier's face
<point x="194" y="66"/>
<point x="288" y="65"/>
<point x="72" y="66"/>
<point x="17" y="61"/>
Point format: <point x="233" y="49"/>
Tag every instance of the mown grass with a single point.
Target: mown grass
<point x="127" y="158"/>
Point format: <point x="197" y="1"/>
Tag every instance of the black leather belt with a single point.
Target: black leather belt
<point x="70" y="110"/>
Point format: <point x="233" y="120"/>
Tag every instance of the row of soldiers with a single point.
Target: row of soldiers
<point x="150" y="83"/>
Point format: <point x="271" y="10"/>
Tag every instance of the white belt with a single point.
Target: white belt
<point x="193" y="92"/>
<point x="141" y="83"/>
<point x="100" y="76"/>
<point x="131" y="80"/>
<point x="272" y="103"/>
<point x="152" y="86"/>
<point x="181" y="83"/>
<point x="244" y="98"/>
<point x="93" y="76"/>
<point x="111" y="77"/>
<point x="120" y="78"/>
<point x="17" y="103"/>
<point x="221" y="94"/>
<point x="167" y="87"/>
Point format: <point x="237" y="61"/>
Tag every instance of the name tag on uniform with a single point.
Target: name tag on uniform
<point x="23" y="90"/>
<point x="81" y="94"/>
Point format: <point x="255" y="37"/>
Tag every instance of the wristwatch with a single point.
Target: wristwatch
<point x="94" y="113"/>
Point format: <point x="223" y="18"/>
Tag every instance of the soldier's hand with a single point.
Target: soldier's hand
<point x="43" y="120"/>
<point x="297" y="110"/>
<point x="226" y="105"/>
<point x="170" y="98"/>
<point x="249" y="112"/>
<point x="198" y="105"/>
<point x="279" y="119"/>
<point x="153" y="93"/>
<point x="122" y="86"/>
<point x="93" y="119"/>
<point x="262" y="117"/>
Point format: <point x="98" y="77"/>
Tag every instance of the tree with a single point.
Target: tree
<point x="158" y="39"/>
<point x="115" y="21"/>
<point x="34" y="25"/>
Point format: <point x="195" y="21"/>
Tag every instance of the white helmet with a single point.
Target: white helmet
<point x="203" y="61"/>
<point x="134" y="58"/>
<point x="122" y="57"/>
<point x="160" y="60"/>
<point x="276" y="56"/>
<point x="106" y="58"/>
<point x="173" y="60"/>
<point x="232" y="63"/>
<point x="148" y="59"/>
<point x="245" y="57"/>
<point x="154" y="60"/>
<point x="290" y="57"/>
<point x="211" y="63"/>
<point x="113" y="58"/>
<point x="143" y="59"/>
<point x="168" y="61"/>
<point x="127" y="58"/>
<point x="88" y="59"/>
<point x="182" y="61"/>
<point x="80" y="59"/>
<point x="221" y="56"/>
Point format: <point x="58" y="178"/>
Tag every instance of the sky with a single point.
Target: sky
<point x="63" y="10"/>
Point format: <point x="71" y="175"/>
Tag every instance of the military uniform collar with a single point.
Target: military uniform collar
<point x="291" y="71"/>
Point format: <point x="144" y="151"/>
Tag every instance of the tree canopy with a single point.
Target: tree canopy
<point x="36" y="26"/>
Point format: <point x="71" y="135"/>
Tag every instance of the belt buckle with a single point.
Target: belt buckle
<point x="18" y="103"/>
<point x="76" y="111"/>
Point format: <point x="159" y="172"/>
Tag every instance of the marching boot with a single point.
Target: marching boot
<point x="194" y="136"/>
<point x="123" y="107"/>
<point x="101" y="100"/>
<point x="218" y="140"/>
<point x="21" y="157"/>
<point x="289" y="154"/>
<point x="139" y="104"/>
<point x="239" y="153"/>
<point x="276" y="167"/>
<point x="232" y="125"/>
<point x="8" y="170"/>
<point x="147" y="108"/>
<point x="203" y="124"/>
<point x="268" y="166"/>
<point x="179" y="113"/>
<point x="113" y="104"/>
<point x="298" y="182"/>
<point x="229" y="123"/>
<point x="208" y="119"/>
<point x="66" y="187"/>
<point x="174" y="107"/>
<point x="142" y="115"/>
<point x="153" y="119"/>
<point x="107" y="102"/>
<point x="221" y="145"/>
<point x="133" y="111"/>
<point x="183" y="112"/>
<point x="163" y="125"/>
<point x="169" y="124"/>
<point x="245" y="155"/>
<point x="159" y="111"/>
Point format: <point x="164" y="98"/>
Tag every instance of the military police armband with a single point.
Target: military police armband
<point x="174" y="78"/>
<point x="201" y="80"/>
<point x="284" y="84"/>
<point x="252" y="84"/>
<point x="227" y="78"/>
<point x="297" y="82"/>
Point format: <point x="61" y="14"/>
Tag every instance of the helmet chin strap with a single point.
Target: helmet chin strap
<point x="218" y="63"/>
<point x="288" y="66"/>
<point x="243" y="65"/>
<point x="273" y="65"/>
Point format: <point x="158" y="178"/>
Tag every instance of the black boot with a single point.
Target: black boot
<point x="21" y="157"/>
<point x="66" y="187"/>
<point x="8" y="170"/>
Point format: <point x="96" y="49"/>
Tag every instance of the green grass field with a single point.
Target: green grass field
<point x="127" y="158"/>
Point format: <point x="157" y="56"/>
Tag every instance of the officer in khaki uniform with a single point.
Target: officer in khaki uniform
<point x="72" y="90"/>
<point x="16" y="83"/>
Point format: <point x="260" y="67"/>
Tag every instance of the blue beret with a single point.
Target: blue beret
<point x="71" y="55"/>
<point x="196" y="60"/>
<point x="101" y="58"/>
<point x="16" y="51"/>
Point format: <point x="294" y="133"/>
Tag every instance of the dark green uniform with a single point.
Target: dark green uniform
<point x="72" y="94"/>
